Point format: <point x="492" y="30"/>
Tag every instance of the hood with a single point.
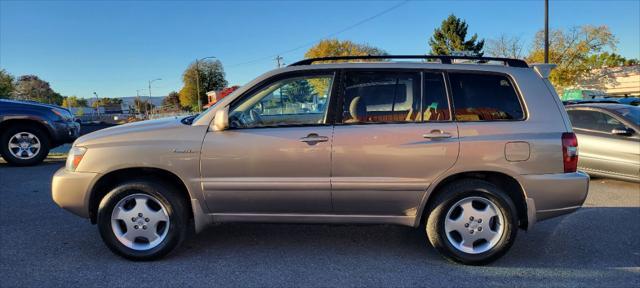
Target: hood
<point x="136" y="131"/>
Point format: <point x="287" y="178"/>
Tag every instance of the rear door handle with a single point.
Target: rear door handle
<point x="437" y="134"/>
<point x="314" y="138"/>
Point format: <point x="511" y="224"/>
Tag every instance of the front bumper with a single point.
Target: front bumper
<point x="66" y="132"/>
<point x="551" y="195"/>
<point x="70" y="190"/>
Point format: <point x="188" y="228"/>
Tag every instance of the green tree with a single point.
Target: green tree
<point x="606" y="59"/>
<point x="172" y="101"/>
<point x="31" y="87"/>
<point x="450" y="38"/>
<point x="6" y="84"/>
<point x="571" y="50"/>
<point x="73" y="101"/>
<point x="212" y="78"/>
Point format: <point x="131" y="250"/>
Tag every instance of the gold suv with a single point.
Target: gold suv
<point x="468" y="149"/>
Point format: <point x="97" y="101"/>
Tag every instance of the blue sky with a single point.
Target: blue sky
<point x="115" y="47"/>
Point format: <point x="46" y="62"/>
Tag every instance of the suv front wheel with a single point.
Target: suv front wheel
<point x="472" y="221"/>
<point x="142" y="219"/>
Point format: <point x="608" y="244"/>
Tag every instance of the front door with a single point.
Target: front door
<point x="392" y="141"/>
<point x="276" y="155"/>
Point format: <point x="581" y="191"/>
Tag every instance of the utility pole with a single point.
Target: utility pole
<point x="148" y="106"/>
<point x="278" y="60"/>
<point x="546" y="31"/>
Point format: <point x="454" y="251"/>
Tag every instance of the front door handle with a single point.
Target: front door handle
<point x="314" y="138"/>
<point x="437" y="134"/>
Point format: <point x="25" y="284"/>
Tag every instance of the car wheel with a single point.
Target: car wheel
<point x="24" y="145"/>
<point x="142" y="220"/>
<point x="472" y="222"/>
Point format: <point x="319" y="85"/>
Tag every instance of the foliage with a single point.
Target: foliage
<point x="172" y="101"/>
<point x="30" y="87"/>
<point x="226" y="91"/>
<point x="571" y="50"/>
<point x="335" y="47"/>
<point x="6" y="84"/>
<point x="142" y="105"/>
<point x="73" y="101"/>
<point x="106" y="101"/>
<point x="450" y="38"/>
<point x="212" y="78"/>
<point x="606" y="59"/>
<point x="505" y="46"/>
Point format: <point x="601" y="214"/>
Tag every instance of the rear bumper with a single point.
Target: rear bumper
<point x="70" y="190"/>
<point x="551" y="195"/>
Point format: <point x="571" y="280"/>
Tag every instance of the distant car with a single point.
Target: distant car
<point x="28" y="130"/>
<point x="609" y="139"/>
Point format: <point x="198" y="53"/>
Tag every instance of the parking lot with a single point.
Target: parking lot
<point x="43" y="245"/>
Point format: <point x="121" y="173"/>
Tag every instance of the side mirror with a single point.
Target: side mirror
<point x="221" y="119"/>
<point x="622" y="131"/>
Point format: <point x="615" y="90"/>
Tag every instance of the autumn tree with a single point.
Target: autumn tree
<point x="571" y="50"/>
<point x="73" y="101"/>
<point x="505" y="46"/>
<point x="31" y="87"/>
<point x="451" y="36"/>
<point x="6" y="84"/>
<point x="335" y="47"/>
<point x="212" y="78"/>
<point x="142" y="105"/>
<point x="606" y="59"/>
<point x="106" y="101"/>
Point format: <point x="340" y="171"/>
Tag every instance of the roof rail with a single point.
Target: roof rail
<point x="444" y="59"/>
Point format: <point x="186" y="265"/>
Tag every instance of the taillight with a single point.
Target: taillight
<point x="570" y="152"/>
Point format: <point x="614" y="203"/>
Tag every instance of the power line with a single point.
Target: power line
<point x="383" y="12"/>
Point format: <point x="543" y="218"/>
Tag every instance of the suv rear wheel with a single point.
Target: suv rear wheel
<point x="24" y="145"/>
<point x="472" y="221"/>
<point x="142" y="220"/>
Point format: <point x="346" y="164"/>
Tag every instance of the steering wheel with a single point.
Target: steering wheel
<point x="255" y="117"/>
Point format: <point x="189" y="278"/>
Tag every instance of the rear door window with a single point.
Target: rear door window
<point x="594" y="121"/>
<point x="435" y="105"/>
<point x="484" y="97"/>
<point x="381" y="97"/>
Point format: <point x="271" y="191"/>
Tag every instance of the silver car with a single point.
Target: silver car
<point x="469" y="152"/>
<point x="609" y="139"/>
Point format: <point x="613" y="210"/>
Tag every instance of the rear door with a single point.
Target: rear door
<point x="390" y="141"/>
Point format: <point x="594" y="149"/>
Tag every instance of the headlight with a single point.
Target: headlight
<point x="63" y="114"/>
<point x="74" y="158"/>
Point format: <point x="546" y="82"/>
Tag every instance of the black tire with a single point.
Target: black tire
<point x="175" y="206"/>
<point x="41" y="154"/>
<point x="449" y="196"/>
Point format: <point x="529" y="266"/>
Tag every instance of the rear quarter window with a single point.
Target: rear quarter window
<point x="484" y="97"/>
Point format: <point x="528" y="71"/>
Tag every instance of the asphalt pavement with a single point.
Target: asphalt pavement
<point x="42" y="245"/>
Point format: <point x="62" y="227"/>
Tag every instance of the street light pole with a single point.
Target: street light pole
<point x="149" y="103"/>
<point x="97" y="103"/>
<point x="546" y="31"/>
<point x="198" y="81"/>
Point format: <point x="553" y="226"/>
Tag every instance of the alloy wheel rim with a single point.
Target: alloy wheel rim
<point x="24" y="145"/>
<point x="474" y="225"/>
<point x="140" y="221"/>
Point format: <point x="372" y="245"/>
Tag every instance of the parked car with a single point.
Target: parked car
<point x="468" y="152"/>
<point x="29" y="129"/>
<point x="609" y="139"/>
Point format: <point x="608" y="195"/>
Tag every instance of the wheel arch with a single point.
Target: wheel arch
<point x="106" y="182"/>
<point x="507" y="183"/>
<point x="27" y="121"/>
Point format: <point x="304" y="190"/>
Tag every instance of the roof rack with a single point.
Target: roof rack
<point x="444" y="59"/>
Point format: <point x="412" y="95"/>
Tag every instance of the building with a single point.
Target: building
<point x="614" y="81"/>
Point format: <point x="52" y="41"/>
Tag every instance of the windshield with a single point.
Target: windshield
<point x="631" y="113"/>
